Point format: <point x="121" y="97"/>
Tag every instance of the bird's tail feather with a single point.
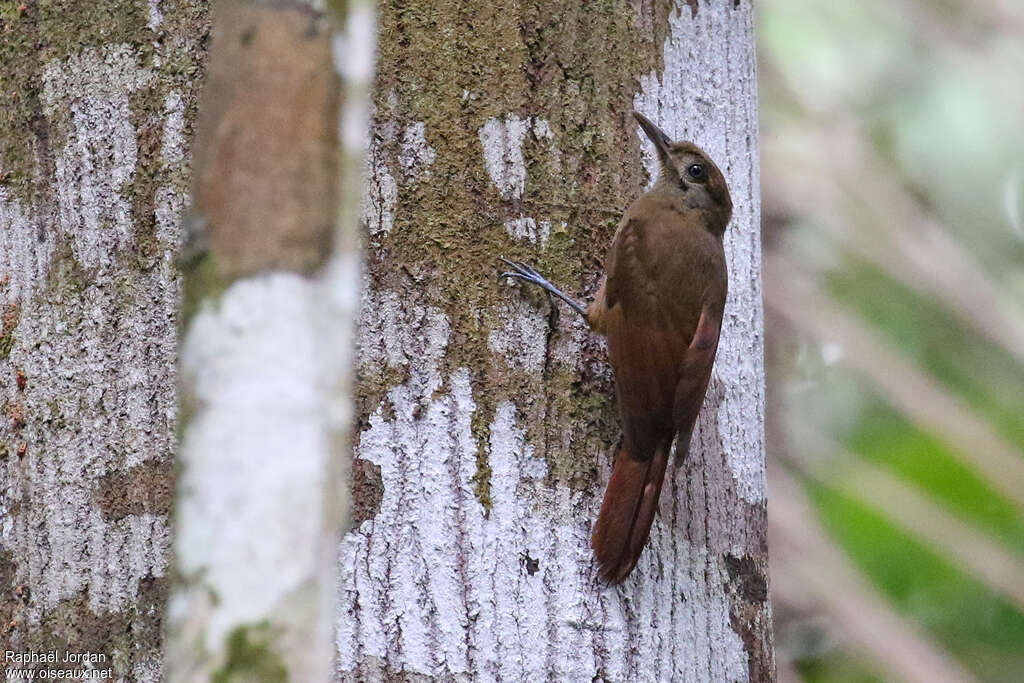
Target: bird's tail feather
<point x="627" y="513"/>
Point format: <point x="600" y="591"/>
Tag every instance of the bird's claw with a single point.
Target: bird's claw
<point x="527" y="274"/>
<point x="524" y="272"/>
<point x="520" y="270"/>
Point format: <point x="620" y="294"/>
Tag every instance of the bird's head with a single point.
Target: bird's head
<point x="689" y="173"/>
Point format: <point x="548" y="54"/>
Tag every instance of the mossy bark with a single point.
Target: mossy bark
<point x="98" y="105"/>
<point x="486" y="416"/>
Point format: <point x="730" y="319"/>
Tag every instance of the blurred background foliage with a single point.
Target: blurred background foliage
<point x="893" y="188"/>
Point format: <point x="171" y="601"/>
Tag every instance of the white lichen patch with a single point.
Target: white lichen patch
<point x="568" y="347"/>
<point x="253" y="455"/>
<point x="542" y="129"/>
<point x="98" y="160"/>
<point x="169" y="205"/>
<point x="502" y="140"/>
<point x="384" y="337"/>
<point x="416" y="156"/>
<point x="86" y="416"/>
<point x="381" y="193"/>
<point x="707" y="622"/>
<point x="169" y="201"/>
<point x="432" y="572"/>
<point x="25" y="252"/>
<point x="156" y="17"/>
<point x="526" y="228"/>
<point x="172" y="144"/>
<point x="108" y="73"/>
<point x="522" y="337"/>
<point x="690" y="100"/>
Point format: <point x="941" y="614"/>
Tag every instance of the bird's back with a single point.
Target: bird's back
<point x="664" y="270"/>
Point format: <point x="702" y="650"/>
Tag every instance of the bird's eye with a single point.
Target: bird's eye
<point x="696" y="171"/>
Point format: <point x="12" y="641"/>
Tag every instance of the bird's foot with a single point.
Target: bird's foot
<point x="527" y="274"/>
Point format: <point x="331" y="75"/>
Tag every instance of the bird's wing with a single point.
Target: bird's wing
<point x="694" y="375"/>
<point x="662" y="348"/>
<point x="647" y="344"/>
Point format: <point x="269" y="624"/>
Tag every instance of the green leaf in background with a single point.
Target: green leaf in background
<point x="983" y="375"/>
<point x="980" y="629"/>
<point x="884" y="437"/>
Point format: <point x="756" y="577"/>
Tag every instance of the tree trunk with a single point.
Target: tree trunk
<point x="98" y="102"/>
<point x="270" y="300"/>
<point x="487" y="423"/>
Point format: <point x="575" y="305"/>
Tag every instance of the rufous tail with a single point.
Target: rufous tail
<point x="627" y="513"/>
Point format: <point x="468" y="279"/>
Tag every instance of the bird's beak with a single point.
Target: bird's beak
<point x="657" y="135"/>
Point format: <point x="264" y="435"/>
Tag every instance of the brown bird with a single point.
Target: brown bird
<point x="661" y="306"/>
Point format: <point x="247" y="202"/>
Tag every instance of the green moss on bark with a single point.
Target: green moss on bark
<point x="251" y="657"/>
<point x="453" y="66"/>
<point x="204" y="283"/>
<point x="122" y="637"/>
<point x="22" y="130"/>
<point x="67" y="26"/>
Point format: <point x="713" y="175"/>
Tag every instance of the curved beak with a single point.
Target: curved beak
<point x="656" y="135"/>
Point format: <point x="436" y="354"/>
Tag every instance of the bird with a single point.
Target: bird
<point x="660" y="305"/>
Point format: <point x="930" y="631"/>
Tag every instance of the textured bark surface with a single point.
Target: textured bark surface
<point x="264" y="356"/>
<point x="98" y="102"/>
<point x="486" y="418"/>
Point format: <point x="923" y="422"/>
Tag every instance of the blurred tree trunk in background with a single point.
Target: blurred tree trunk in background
<point x="98" y="103"/>
<point x="486" y="417"/>
<point x="270" y="295"/>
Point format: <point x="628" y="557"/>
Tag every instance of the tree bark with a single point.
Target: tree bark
<point x="487" y="422"/>
<point x="98" y="103"/>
